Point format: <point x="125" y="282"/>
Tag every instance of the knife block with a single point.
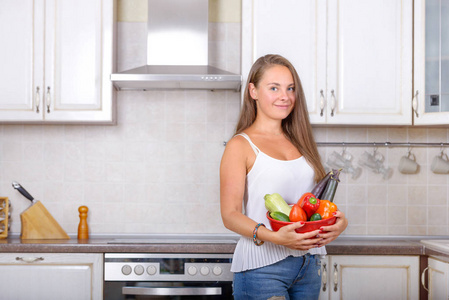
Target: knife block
<point x="38" y="223"/>
<point x="4" y="205"/>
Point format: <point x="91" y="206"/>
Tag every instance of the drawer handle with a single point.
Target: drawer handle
<point x="333" y="103"/>
<point x="415" y="104"/>
<point x="423" y="275"/>
<point x="29" y="259"/>
<point x="335" y="278"/>
<point x="37" y="99"/>
<point x="324" y="277"/>
<point x="48" y="99"/>
<point x="322" y="103"/>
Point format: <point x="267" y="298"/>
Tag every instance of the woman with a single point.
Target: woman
<point x="273" y="151"/>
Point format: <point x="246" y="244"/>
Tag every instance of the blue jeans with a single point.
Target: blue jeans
<point x="290" y="278"/>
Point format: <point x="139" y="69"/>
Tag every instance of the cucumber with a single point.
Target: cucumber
<point x="280" y="216"/>
<point x="331" y="187"/>
<point x="315" y="217"/>
<point x="318" y="190"/>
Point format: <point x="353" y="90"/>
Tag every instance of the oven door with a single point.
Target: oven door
<point x="167" y="290"/>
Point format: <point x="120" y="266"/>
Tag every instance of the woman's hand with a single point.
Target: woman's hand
<point x="330" y="233"/>
<point x="288" y="237"/>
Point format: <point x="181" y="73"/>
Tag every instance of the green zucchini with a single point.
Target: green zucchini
<point x="275" y="202"/>
<point x="318" y="189"/>
<point x="280" y="216"/>
<point x="331" y="187"/>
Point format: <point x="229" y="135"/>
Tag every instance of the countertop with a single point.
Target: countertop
<point x="344" y="245"/>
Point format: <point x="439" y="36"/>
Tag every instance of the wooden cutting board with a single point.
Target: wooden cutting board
<point x="38" y="223"/>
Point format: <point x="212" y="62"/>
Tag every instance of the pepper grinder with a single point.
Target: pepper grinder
<point x="83" y="228"/>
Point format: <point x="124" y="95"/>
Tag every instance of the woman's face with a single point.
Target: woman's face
<point x="275" y="93"/>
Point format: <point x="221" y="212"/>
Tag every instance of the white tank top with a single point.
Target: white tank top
<point x="291" y="179"/>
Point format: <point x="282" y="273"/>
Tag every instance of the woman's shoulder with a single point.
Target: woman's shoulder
<point x="238" y="141"/>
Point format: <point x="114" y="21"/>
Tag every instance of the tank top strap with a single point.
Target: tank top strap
<point x="254" y="147"/>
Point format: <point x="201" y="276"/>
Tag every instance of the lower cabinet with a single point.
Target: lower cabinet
<point x="438" y="279"/>
<point x="370" y="277"/>
<point x="51" y="276"/>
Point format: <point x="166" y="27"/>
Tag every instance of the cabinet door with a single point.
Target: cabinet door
<point x="78" y="60"/>
<point x="21" y="60"/>
<point x="51" y="276"/>
<point x="374" y="277"/>
<point x="438" y="279"/>
<point x="295" y="30"/>
<point x="431" y="63"/>
<point x="369" y="62"/>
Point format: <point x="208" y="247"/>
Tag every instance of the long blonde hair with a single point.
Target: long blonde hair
<point x="297" y="125"/>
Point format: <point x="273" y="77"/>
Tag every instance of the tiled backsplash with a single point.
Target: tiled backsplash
<point x="415" y="204"/>
<point x="157" y="170"/>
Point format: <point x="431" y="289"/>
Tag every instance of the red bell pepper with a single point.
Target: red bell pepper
<point x="309" y="203"/>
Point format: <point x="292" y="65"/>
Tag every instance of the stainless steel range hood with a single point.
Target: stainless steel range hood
<point x="177" y="51"/>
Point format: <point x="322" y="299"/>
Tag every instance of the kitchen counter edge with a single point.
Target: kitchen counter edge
<point x="341" y="246"/>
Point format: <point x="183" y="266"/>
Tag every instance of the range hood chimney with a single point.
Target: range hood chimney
<point x="177" y="51"/>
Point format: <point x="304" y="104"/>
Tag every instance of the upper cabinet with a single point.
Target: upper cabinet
<point x="56" y="59"/>
<point x="431" y="62"/>
<point x="354" y="57"/>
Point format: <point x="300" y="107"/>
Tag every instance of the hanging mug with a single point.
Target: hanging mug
<point x="440" y="164"/>
<point x="408" y="164"/>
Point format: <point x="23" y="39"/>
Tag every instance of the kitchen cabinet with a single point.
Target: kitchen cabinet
<point x="438" y="279"/>
<point x="354" y="57"/>
<point x="370" y="277"/>
<point x="51" y="276"/>
<point x="59" y="68"/>
<point x="431" y="62"/>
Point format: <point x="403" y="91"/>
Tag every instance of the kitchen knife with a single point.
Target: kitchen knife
<point x="23" y="191"/>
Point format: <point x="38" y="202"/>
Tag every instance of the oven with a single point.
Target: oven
<point x="167" y="276"/>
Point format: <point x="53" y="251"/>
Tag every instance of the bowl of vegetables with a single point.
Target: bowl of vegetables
<point x="309" y="209"/>
<point x="307" y="227"/>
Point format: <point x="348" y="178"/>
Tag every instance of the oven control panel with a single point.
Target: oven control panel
<point x="167" y="267"/>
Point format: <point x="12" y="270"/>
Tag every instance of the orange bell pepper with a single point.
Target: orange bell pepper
<point x="326" y="209"/>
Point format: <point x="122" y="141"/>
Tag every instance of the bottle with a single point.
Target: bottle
<point x="83" y="228"/>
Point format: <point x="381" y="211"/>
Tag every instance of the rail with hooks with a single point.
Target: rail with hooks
<point x="385" y="144"/>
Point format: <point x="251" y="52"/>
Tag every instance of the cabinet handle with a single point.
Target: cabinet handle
<point x="335" y="278"/>
<point x="423" y="275"/>
<point x="37" y="99"/>
<point x="322" y="103"/>
<point x="333" y="102"/>
<point x="48" y="99"/>
<point x="29" y="259"/>
<point x="324" y="277"/>
<point x="415" y="103"/>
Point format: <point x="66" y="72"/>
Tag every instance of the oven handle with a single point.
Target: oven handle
<point x="166" y="291"/>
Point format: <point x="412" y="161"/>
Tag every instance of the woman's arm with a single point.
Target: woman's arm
<point x="233" y="170"/>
